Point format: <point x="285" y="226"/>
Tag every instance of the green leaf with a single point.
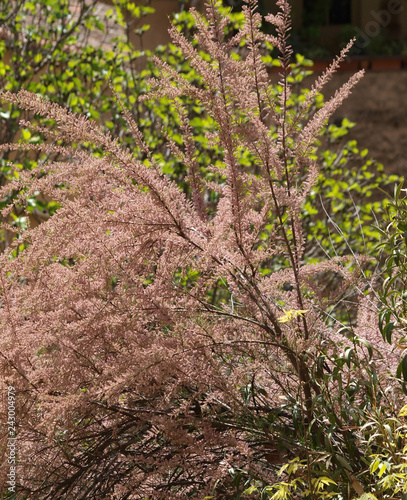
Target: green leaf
<point x="388" y="331"/>
<point x="348" y="355"/>
<point x="343" y="462"/>
<point x="26" y="134"/>
<point x="249" y="491"/>
<point x="382" y="469"/>
<point x="402" y="369"/>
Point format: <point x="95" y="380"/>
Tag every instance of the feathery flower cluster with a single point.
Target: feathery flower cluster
<point x="142" y="330"/>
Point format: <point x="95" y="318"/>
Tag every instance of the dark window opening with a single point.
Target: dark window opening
<point x="326" y="12"/>
<point x="340" y="12"/>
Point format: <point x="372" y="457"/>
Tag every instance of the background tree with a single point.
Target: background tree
<point x="69" y="52"/>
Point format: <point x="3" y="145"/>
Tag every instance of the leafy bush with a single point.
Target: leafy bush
<point x="181" y="339"/>
<point x="70" y="69"/>
<point x="393" y="296"/>
<point x="69" y="53"/>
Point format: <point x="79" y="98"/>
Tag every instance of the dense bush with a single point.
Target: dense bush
<point x="71" y="67"/>
<point x="173" y="330"/>
<point x="70" y="53"/>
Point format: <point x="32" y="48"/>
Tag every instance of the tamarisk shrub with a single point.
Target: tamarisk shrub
<point x="76" y="76"/>
<point x="163" y="345"/>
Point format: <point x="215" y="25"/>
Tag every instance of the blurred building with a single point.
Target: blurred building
<point x="320" y="28"/>
<point x="380" y="26"/>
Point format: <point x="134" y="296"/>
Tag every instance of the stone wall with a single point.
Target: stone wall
<point x="378" y="105"/>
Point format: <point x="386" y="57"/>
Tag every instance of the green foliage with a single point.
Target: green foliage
<point x="54" y="51"/>
<point x="393" y="315"/>
<point x="346" y="202"/>
<point x="292" y="482"/>
<point x="386" y="455"/>
<point x="70" y="69"/>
